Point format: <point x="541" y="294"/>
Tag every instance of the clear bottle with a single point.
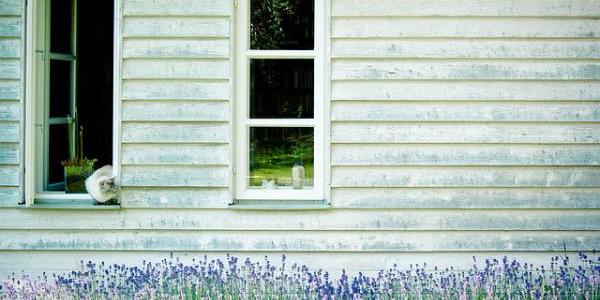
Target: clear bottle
<point x="298" y="176"/>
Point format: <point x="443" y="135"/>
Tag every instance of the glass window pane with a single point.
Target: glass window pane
<point x="60" y="88"/>
<point x="281" y="88"/>
<point x="281" y="158"/>
<point x="282" y="24"/>
<point x="60" y="26"/>
<point x="58" y="150"/>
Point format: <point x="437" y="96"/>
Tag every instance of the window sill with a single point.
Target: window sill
<point x="66" y="204"/>
<point x="279" y="205"/>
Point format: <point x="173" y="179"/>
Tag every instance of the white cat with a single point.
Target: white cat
<point x="101" y="184"/>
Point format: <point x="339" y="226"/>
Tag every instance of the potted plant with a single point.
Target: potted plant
<point x="77" y="168"/>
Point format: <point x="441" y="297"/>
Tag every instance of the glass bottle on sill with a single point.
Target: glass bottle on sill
<point x="298" y="175"/>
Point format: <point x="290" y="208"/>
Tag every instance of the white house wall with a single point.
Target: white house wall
<point x="11" y="73"/>
<point x="458" y="128"/>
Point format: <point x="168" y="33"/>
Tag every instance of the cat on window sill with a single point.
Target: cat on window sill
<point x="101" y="186"/>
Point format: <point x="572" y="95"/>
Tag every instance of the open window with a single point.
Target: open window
<point x="70" y="94"/>
<point x="280" y="100"/>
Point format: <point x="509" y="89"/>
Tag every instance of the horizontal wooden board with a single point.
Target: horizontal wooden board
<point x="177" y="7"/>
<point x="175" y="69"/>
<point x="10" y="69"/>
<point x="9" y="153"/>
<point x="466" y="111"/>
<point x="175" y="48"/>
<point x="10" y="47"/>
<point x="134" y="240"/>
<point x="177" y="198"/>
<point x="9" y="132"/>
<point x="10" y="26"/>
<point x="10" y="89"/>
<point x="175" y="154"/>
<point x="397" y="69"/>
<point x="175" y="90"/>
<point x="466" y="48"/>
<point x="9" y="175"/>
<point x="350" y="220"/>
<point x="468" y="154"/>
<point x="465" y="198"/>
<point x="368" y="263"/>
<point x="440" y="27"/>
<point x="175" y="111"/>
<point x="175" y="176"/>
<point x="498" y="133"/>
<point x="10" y="8"/>
<point x="174" y="132"/>
<point x="421" y="176"/>
<point x="175" y="27"/>
<point x="465" y="90"/>
<point x="10" y="110"/>
<point x="537" y="8"/>
<point x="9" y="196"/>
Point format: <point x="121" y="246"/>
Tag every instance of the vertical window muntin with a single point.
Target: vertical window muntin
<point x="245" y="54"/>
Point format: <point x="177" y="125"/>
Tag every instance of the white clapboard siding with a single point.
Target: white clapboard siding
<point x="465" y="198"/>
<point x="11" y="27"/>
<point x="355" y="241"/>
<point x="451" y="132"/>
<point x="175" y="111"/>
<point x="465" y="48"/>
<point x="399" y="69"/>
<point x="10" y="47"/>
<point x="174" y="197"/>
<point x="466" y="90"/>
<point x="175" y="27"/>
<point x="175" y="90"/>
<point x="175" y="176"/>
<point x="175" y="48"/>
<point x="9" y="153"/>
<point x="464" y="154"/>
<point x="175" y="154"/>
<point x="10" y="68"/>
<point x="176" y="69"/>
<point x="10" y="110"/>
<point x="451" y="8"/>
<point x="10" y="89"/>
<point x="465" y="176"/>
<point x="443" y="27"/>
<point x="176" y="7"/>
<point x="465" y="111"/>
<point x="350" y="220"/>
<point x="169" y="132"/>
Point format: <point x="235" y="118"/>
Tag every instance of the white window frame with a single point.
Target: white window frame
<point x="243" y="123"/>
<point x="35" y="48"/>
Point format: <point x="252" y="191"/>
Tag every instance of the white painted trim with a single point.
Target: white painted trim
<point x="281" y="54"/>
<point x="243" y="55"/>
<point x="280" y="122"/>
<point x="117" y="75"/>
<point x="29" y="164"/>
<point x="62" y="196"/>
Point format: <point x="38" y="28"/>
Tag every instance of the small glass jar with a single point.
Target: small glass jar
<point x="298" y="175"/>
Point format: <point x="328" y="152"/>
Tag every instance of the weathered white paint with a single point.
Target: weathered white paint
<point x="465" y="154"/>
<point x="175" y="27"/>
<point x="455" y="90"/>
<point x="430" y="69"/>
<point x="446" y="27"/>
<point x="466" y="111"/>
<point x="458" y="128"/>
<point x="452" y="8"/>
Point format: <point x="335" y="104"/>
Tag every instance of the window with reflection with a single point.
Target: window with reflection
<point x="278" y="102"/>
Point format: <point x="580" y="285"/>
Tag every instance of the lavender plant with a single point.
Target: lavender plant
<point x="230" y="279"/>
